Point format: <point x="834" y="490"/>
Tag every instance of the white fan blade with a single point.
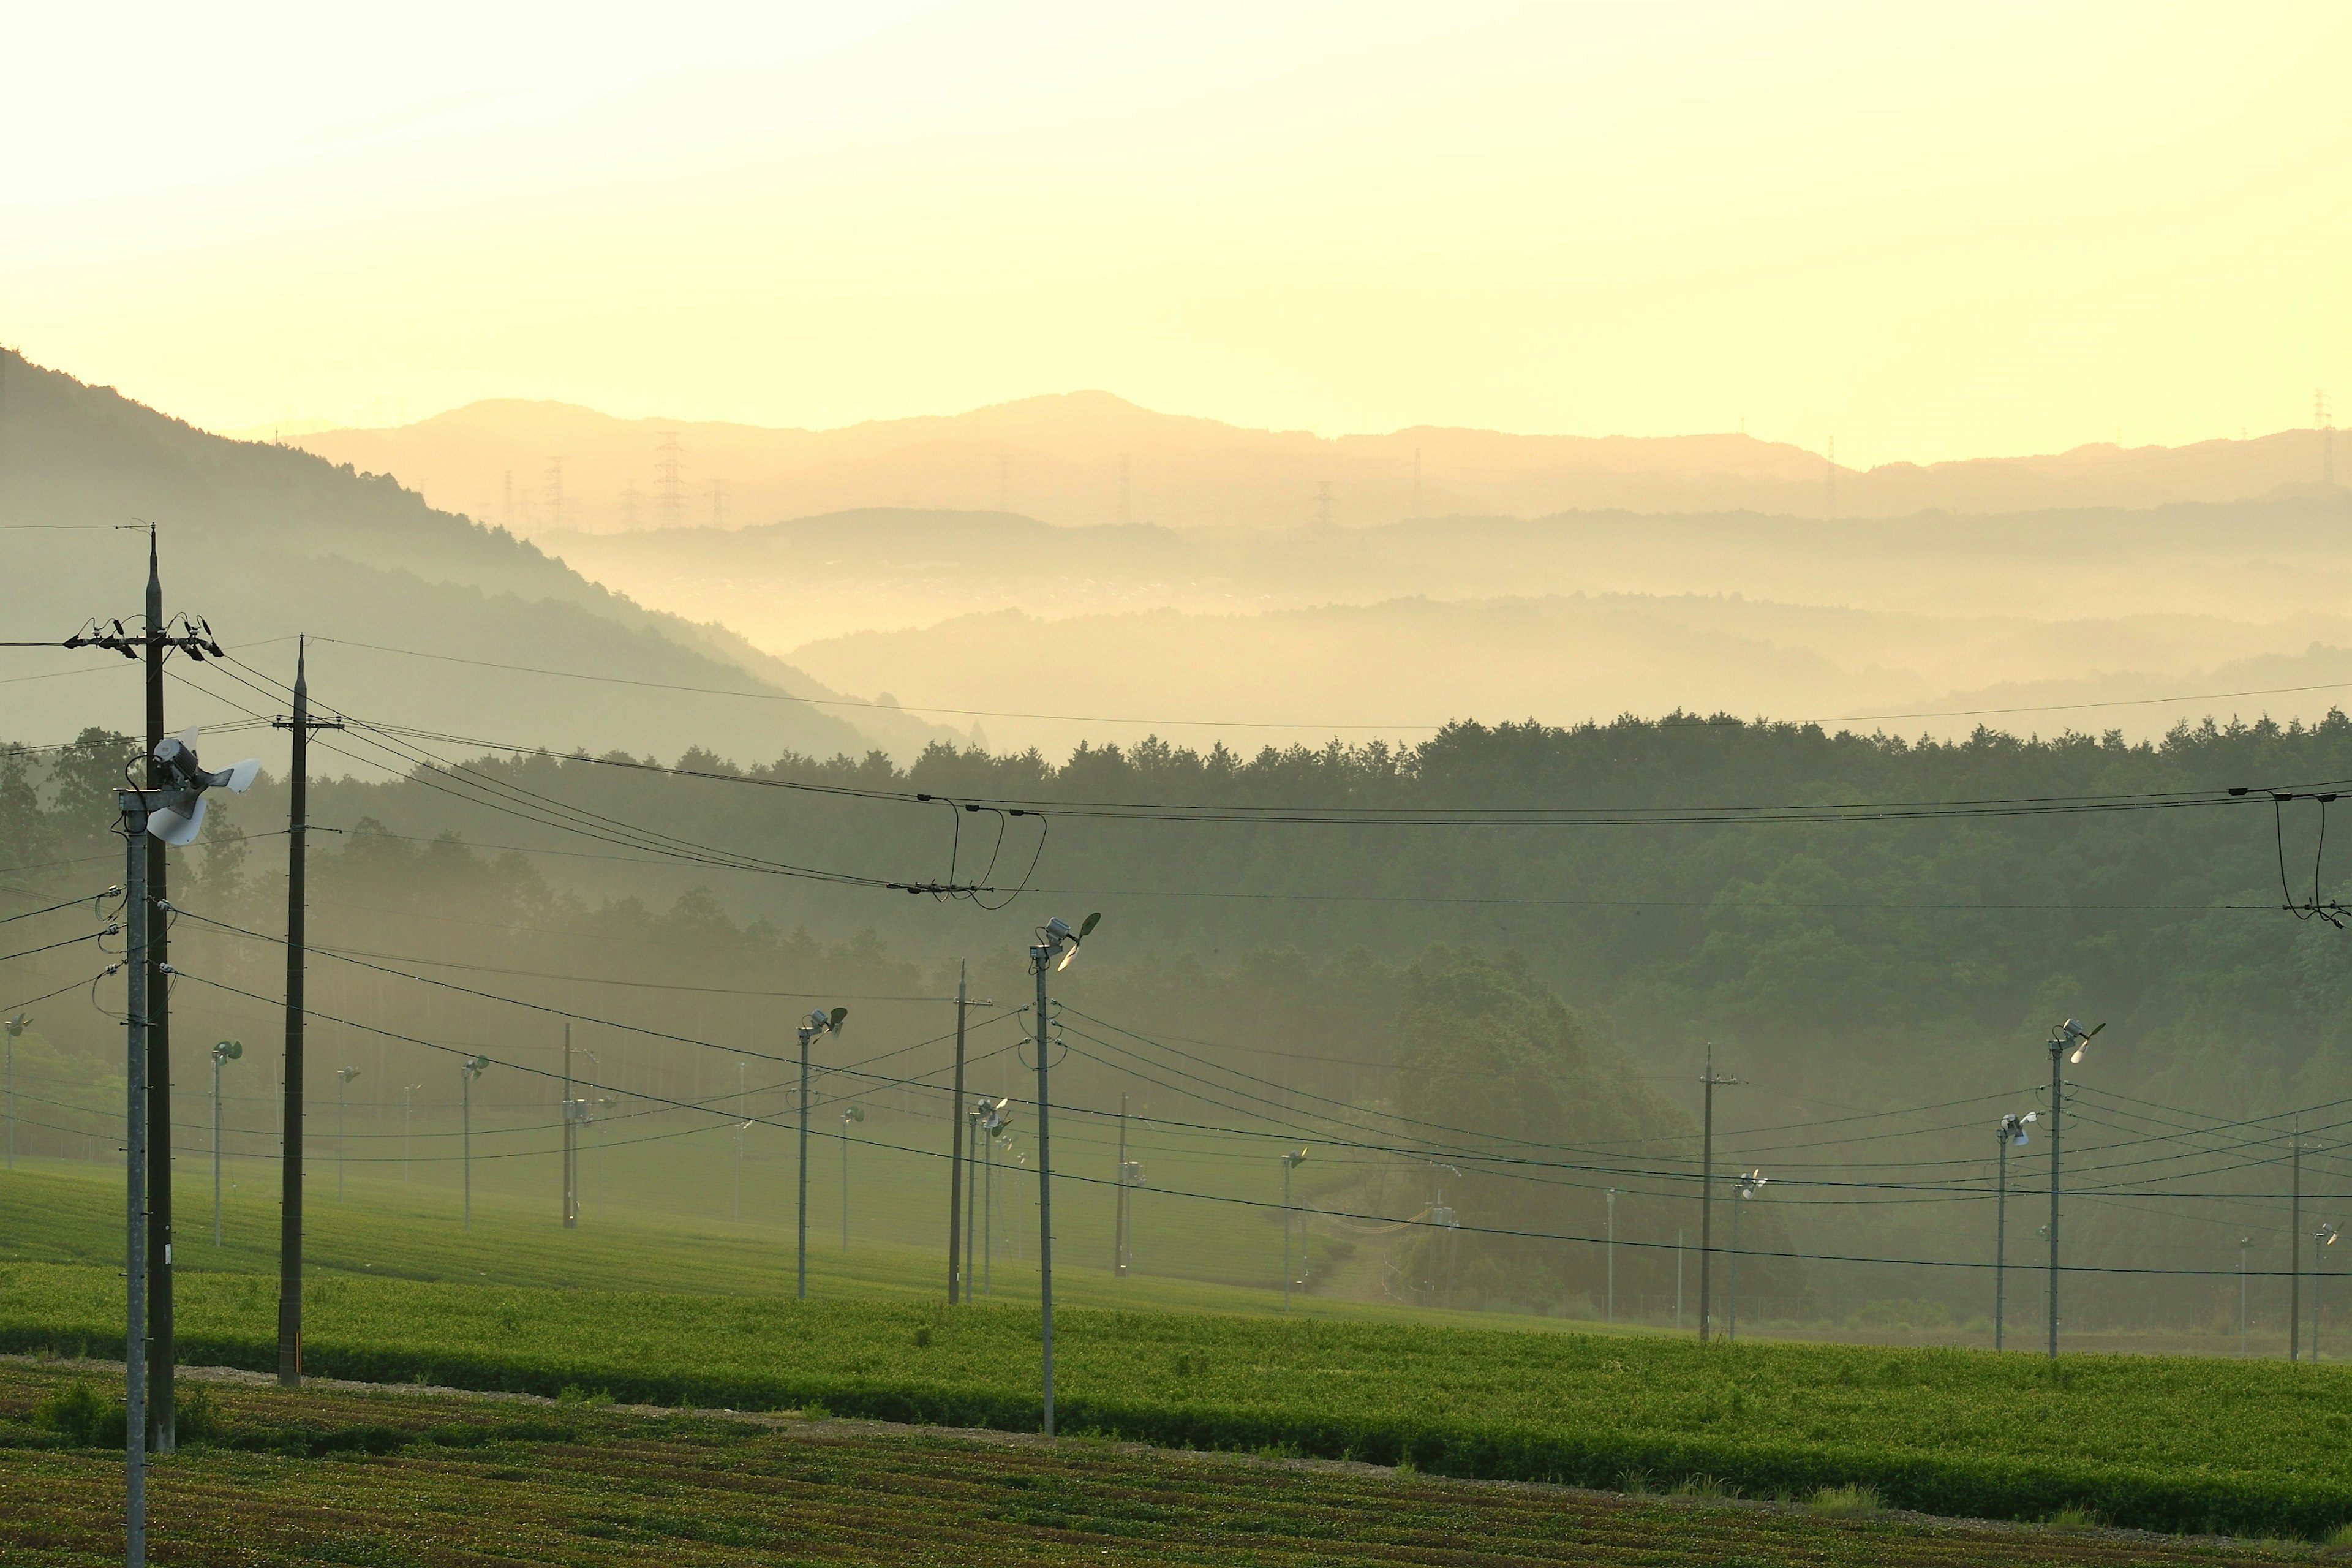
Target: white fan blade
<point x="176" y="827"/>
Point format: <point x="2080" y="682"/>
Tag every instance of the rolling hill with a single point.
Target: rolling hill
<point x="267" y="541"/>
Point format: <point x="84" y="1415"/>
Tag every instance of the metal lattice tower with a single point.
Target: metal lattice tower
<point x="669" y="480"/>
<point x="555" y="491"/>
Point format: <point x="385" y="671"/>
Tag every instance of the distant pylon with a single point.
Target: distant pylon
<point x="555" y="493"/>
<point x="718" y="503"/>
<point x="1004" y="482"/>
<point x="629" y="505"/>
<point x="669" y="480"/>
<point x="509" y="514"/>
<point x="2323" y="416"/>
<point x="1417" y="481"/>
<point x="1323" y="504"/>
<point x="1124" y="516"/>
<point x="1832" y="477"/>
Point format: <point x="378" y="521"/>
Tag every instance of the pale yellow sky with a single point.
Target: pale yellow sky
<point x="1932" y="231"/>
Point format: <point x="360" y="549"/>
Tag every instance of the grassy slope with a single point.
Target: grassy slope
<point x="587" y="1485"/>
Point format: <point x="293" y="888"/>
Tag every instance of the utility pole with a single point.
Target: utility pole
<point x="1707" y="1199"/>
<point x="159" y="1043"/>
<point x="571" y="1141"/>
<point x="2295" y="1252"/>
<point x="959" y="1255"/>
<point x="1416" y="482"/>
<point x="151" y="915"/>
<point x="1118" y="1210"/>
<point x="289" y="1201"/>
<point x="133" y="806"/>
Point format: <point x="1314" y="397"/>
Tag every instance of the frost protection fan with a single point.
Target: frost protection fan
<point x="178" y="814"/>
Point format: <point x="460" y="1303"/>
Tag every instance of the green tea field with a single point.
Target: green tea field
<point x="377" y="1476"/>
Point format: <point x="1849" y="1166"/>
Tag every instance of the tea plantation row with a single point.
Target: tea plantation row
<point x="2178" y="1444"/>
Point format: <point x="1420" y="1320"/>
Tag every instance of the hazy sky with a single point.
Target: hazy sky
<point x="1931" y="231"/>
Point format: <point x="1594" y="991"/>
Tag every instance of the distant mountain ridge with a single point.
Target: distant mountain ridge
<point x="268" y="541"/>
<point x="1091" y="457"/>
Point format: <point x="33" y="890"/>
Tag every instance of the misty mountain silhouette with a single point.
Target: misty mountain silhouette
<point x="266" y="540"/>
<point x="1091" y="457"/>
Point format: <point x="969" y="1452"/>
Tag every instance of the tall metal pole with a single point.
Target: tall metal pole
<point x="1286" y="1233"/>
<point x="1611" y="1310"/>
<point x="571" y="1142"/>
<point x="1738" y="1193"/>
<point x="159" y="1048"/>
<point x="342" y="1091"/>
<point x="2000" y="1240"/>
<point x="134" y="1335"/>
<point x="1706" y="1202"/>
<point x="466" y="1085"/>
<point x="800" y="1289"/>
<point x="1040" y="956"/>
<point x="959" y="1255"/>
<point x="217" y="1162"/>
<point x="2295" y="1253"/>
<point x="971" y="1217"/>
<point x="844" y="1178"/>
<point x="289" y="1183"/>
<point x="988" y="1218"/>
<point x="2057" y="1094"/>
<point x="1118" y="1206"/>
<point x="2243" y="1243"/>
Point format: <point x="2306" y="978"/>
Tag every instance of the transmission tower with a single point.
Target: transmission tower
<point x="1323" y="503"/>
<point x="1416" y="482"/>
<point x="1832" y="477"/>
<point x="669" y="480"/>
<point x="629" y="505"/>
<point x="2323" y="418"/>
<point x="718" y="503"/>
<point x="1004" y="482"/>
<point x="1124" y="516"/>
<point x="555" y="493"/>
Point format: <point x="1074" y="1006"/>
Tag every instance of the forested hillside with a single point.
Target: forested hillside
<point x="1879" y="980"/>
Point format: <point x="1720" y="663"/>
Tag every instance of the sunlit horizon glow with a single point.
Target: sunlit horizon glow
<point x="1928" y="233"/>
